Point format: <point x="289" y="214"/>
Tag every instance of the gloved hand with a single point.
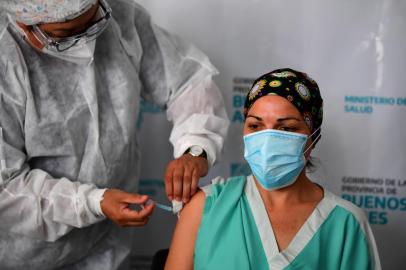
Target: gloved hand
<point x="116" y="206"/>
<point x="182" y="176"/>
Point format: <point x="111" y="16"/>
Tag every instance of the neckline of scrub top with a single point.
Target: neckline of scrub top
<point x="280" y="259"/>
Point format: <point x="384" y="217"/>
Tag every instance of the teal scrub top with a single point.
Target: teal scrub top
<point x="235" y="233"/>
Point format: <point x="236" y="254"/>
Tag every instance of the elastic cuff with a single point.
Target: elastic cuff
<point x="94" y="201"/>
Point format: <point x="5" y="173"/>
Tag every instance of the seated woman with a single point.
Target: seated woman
<point x="276" y="218"/>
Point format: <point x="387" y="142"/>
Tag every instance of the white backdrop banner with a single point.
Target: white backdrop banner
<point x="355" y="50"/>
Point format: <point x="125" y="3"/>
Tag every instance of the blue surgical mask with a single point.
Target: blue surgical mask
<point x="275" y="157"/>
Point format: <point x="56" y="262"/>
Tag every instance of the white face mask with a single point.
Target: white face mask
<point x="82" y="54"/>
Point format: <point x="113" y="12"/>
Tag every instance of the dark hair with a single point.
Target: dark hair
<point x="311" y="165"/>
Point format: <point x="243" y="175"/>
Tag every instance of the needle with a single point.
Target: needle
<point x="159" y="205"/>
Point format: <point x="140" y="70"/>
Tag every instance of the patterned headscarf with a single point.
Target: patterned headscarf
<point x="298" y="88"/>
<point x="31" y="12"/>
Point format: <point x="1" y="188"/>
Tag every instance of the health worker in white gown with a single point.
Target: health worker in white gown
<point x="72" y="76"/>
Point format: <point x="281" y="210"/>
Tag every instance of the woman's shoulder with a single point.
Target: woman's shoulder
<point x="194" y="208"/>
<point x="213" y="190"/>
<point x="219" y="184"/>
<point x="347" y="206"/>
<point x="352" y="215"/>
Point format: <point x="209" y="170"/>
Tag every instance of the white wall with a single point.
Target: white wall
<point x="351" y="48"/>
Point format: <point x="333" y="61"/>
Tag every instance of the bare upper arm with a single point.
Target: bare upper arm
<point x="183" y="242"/>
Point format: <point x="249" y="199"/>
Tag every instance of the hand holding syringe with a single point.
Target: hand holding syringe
<point x="130" y="209"/>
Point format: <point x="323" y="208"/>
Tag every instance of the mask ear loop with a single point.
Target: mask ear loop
<point x="315" y="140"/>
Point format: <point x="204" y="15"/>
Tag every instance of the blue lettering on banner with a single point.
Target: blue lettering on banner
<point x="241" y="86"/>
<point x="238" y="105"/>
<point x="365" y="104"/>
<point x="377" y="207"/>
<point x="238" y="101"/>
<point x="377" y="202"/>
<point x="370" y="100"/>
<point x="237" y="169"/>
<point x="238" y="117"/>
<point x="358" y="109"/>
<point x="377" y="218"/>
<point x="401" y="101"/>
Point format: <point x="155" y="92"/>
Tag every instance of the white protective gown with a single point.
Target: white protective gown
<point x="68" y="131"/>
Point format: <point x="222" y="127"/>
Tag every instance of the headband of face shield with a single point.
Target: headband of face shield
<point x="30" y="12"/>
<point x="276" y="158"/>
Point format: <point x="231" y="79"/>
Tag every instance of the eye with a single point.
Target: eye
<point x="288" y="128"/>
<point x="253" y="126"/>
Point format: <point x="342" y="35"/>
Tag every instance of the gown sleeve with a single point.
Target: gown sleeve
<point x="178" y="77"/>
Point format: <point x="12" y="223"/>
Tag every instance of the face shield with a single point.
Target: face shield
<point x="91" y="33"/>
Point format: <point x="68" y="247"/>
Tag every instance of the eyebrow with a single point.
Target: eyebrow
<point x="278" y="120"/>
<point x="256" y="117"/>
<point x="288" y="118"/>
